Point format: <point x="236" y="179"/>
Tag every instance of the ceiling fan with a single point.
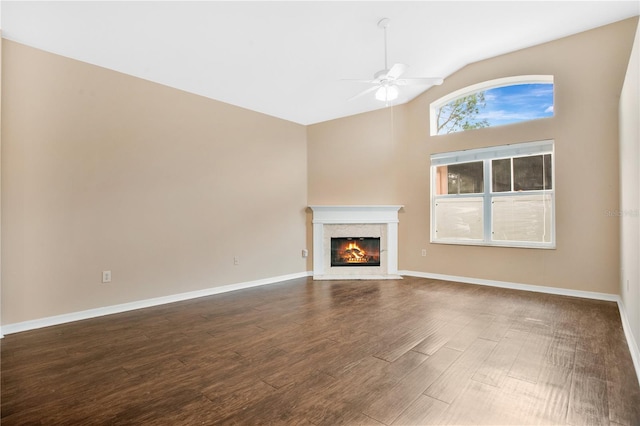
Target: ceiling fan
<point x="387" y="81"/>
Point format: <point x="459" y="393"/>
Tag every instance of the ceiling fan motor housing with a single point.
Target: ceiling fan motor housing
<point x="381" y="75"/>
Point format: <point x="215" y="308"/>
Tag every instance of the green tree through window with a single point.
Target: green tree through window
<point x="462" y="114"/>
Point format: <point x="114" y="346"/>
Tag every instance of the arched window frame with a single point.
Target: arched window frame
<point x="485" y="85"/>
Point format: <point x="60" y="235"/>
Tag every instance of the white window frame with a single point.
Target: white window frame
<point x="485" y="85"/>
<point x="486" y="155"/>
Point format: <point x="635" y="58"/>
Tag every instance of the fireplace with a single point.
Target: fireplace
<point x="355" y="251"/>
<point x="355" y="242"/>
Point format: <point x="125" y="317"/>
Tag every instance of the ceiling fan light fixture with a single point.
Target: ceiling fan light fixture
<point x="387" y="93"/>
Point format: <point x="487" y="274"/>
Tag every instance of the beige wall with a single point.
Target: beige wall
<point x="103" y="171"/>
<point x="354" y="160"/>
<point x="630" y="193"/>
<point x="392" y="148"/>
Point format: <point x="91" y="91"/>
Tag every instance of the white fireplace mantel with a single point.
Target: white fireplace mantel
<point x="360" y="218"/>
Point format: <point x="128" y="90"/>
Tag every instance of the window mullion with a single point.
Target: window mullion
<point x="511" y="177"/>
<point x="487" y="201"/>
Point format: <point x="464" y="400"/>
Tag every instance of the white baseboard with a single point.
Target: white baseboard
<point x="140" y="304"/>
<point x="626" y="326"/>
<point x="515" y="286"/>
<point x="631" y="341"/>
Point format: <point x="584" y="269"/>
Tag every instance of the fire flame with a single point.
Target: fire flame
<point x="356" y="253"/>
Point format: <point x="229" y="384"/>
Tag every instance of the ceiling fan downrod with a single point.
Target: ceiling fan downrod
<point x="384" y="23"/>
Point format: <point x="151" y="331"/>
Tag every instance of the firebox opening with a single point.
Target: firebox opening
<point x="355" y="251"/>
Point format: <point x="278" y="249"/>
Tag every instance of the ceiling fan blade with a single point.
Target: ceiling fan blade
<point x="365" y="92"/>
<point x="419" y="81"/>
<point x="396" y="71"/>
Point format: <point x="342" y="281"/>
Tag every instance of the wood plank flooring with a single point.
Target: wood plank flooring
<point x="398" y="352"/>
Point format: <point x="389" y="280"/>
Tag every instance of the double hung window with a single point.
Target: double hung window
<point x="498" y="196"/>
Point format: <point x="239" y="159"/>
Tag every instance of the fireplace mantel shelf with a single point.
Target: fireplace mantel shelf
<point x="356" y="206"/>
<point x="355" y="214"/>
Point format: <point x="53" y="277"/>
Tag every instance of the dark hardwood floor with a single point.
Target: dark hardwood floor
<point x="412" y="351"/>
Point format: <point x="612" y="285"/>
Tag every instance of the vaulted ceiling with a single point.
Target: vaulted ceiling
<point x="290" y="59"/>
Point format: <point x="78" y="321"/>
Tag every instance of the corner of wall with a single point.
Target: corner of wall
<point x="1" y="335"/>
<point x="629" y="210"/>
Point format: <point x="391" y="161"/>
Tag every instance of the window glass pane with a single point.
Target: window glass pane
<point x="462" y="114"/>
<point x="459" y="218"/>
<point x="465" y="178"/>
<point x="532" y="173"/>
<point x="495" y="106"/>
<point x="518" y="102"/>
<point x="525" y="218"/>
<point x="501" y="175"/>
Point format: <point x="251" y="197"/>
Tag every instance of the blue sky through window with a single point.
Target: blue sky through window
<point x="521" y="102"/>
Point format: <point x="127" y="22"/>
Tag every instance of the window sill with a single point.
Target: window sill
<point x="522" y="245"/>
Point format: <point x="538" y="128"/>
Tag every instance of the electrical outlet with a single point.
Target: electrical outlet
<point x="305" y="253"/>
<point x="106" y="276"/>
<point x="236" y="260"/>
<point x="424" y="252"/>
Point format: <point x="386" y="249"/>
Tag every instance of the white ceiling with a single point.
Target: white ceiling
<point x="287" y="59"/>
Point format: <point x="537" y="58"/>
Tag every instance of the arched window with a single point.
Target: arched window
<point x="493" y="103"/>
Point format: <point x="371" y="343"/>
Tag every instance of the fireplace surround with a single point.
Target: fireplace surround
<point x="360" y="223"/>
